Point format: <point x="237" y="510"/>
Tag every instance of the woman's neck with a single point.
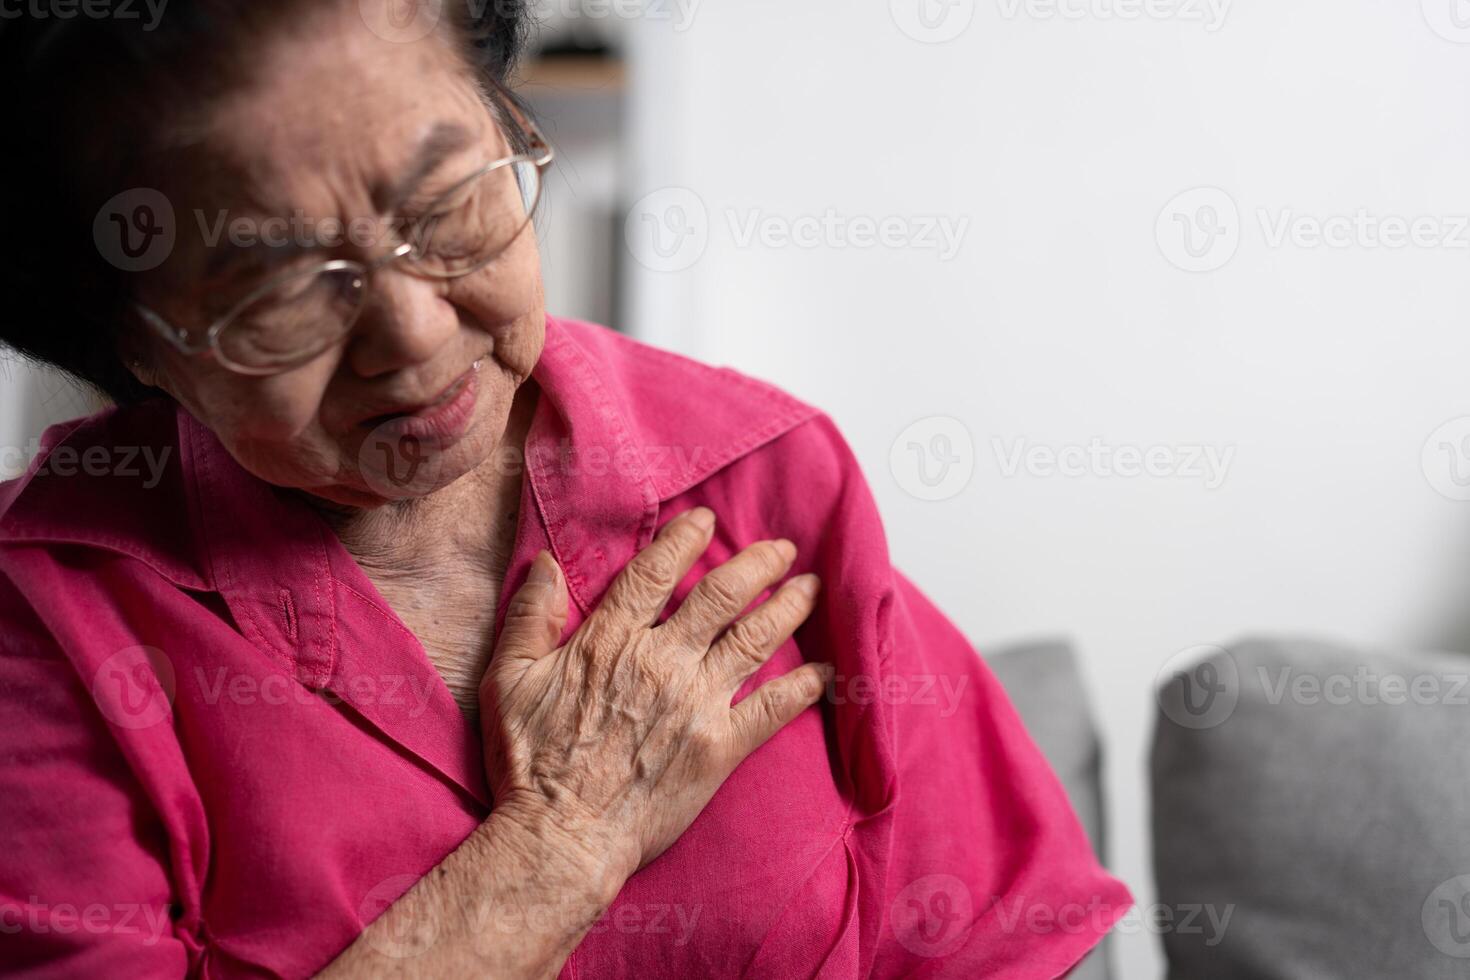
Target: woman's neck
<point x="471" y="521"/>
<point x="439" y="561"/>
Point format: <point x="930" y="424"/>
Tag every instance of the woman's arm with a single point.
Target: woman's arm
<point x="599" y="752"/>
<point x="513" y="900"/>
<point x="964" y="838"/>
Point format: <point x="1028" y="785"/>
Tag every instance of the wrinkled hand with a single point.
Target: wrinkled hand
<point x="622" y="735"/>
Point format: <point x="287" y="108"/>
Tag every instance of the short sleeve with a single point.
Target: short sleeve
<point x="84" y="888"/>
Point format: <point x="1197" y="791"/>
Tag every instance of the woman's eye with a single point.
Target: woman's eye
<point x="449" y="246"/>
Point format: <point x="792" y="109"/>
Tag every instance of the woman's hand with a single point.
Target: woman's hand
<point x="619" y="738"/>
<point x="600" y="753"/>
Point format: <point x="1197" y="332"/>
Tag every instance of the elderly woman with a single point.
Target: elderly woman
<point x="392" y="627"/>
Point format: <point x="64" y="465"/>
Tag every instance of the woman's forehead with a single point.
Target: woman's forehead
<point x="324" y="157"/>
<point x="342" y="103"/>
<point x="354" y="146"/>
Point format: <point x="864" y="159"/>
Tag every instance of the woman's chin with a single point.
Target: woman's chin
<point x="411" y="471"/>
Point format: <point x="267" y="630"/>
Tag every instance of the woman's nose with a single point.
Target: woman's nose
<point x="405" y="321"/>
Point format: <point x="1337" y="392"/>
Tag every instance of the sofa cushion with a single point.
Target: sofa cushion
<point x="1043" y="682"/>
<point x="1312" y="801"/>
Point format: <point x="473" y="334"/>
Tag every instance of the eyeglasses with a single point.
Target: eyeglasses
<point x="291" y="318"/>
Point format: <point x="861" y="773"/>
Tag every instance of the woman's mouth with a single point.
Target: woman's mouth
<point x="441" y="421"/>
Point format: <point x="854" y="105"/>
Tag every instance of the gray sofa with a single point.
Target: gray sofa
<point x="1314" y="793"/>
<point x="1045" y="685"/>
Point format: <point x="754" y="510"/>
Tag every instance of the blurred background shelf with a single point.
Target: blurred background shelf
<point x="577" y="99"/>
<point x="565" y="76"/>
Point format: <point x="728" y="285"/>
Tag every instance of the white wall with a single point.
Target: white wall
<point x="1323" y="369"/>
<point x="12" y="417"/>
<point x="1061" y="318"/>
<point x="31" y="399"/>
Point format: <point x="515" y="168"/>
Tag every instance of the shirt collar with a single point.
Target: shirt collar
<point x="620" y="428"/>
<point x="623" y="427"/>
<point x="113" y="481"/>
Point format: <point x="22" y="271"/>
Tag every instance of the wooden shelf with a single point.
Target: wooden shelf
<point x="577" y="76"/>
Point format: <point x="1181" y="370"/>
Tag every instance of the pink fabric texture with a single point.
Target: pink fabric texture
<point x="224" y="754"/>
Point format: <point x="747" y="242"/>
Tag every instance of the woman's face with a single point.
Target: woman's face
<point x="342" y="134"/>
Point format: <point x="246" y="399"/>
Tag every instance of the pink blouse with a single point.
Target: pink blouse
<point x="224" y="755"/>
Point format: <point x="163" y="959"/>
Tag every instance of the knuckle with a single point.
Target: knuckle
<point x="521" y="609"/>
<point x="653" y="571"/>
<point x="749" y="638"/>
<point x="721" y="593"/>
<point x="771" y="558"/>
<point x="684" y="536"/>
<point x="790" y="607"/>
<point x="768" y="710"/>
<point x="517" y="633"/>
<point x="811" y="686"/>
<point x="598" y="636"/>
<point x="703" y="742"/>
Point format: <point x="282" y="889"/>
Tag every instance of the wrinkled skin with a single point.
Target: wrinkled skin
<point x="600" y="750"/>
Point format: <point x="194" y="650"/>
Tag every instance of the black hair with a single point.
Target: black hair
<point x="83" y="94"/>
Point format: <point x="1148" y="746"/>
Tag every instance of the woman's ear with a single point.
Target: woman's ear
<point x="137" y="358"/>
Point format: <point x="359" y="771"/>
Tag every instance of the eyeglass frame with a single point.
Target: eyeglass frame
<point x="540" y="155"/>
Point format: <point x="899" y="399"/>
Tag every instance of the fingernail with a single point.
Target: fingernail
<point x="828" y="672"/>
<point x="702" y="518"/>
<point x="543" y="570"/>
<point x="807" y="584"/>
<point x="787" y="550"/>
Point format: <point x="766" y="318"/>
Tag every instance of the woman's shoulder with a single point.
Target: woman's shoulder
<point x="659" y="381"/>
<point x="94" y="453"/>
<point x="111" y="481"/>
<point x="697" y="417"/>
